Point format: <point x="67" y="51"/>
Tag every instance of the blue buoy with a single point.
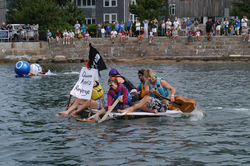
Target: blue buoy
<point x="22" y="68"/>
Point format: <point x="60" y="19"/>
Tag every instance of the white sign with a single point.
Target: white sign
<point x="84" y="86"/>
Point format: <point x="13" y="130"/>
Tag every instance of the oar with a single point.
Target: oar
<point x="109" y="111"/>
<point x="159" y="95"/>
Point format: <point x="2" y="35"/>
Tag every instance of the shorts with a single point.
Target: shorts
<point x="113" y="36"/>
<point x="217" y="27"/>
<point x="22" y="32"/>
<point x="154" y="30"/>
<point x="225" y="28"/>
<point x="10" y="34"/>
<point x="157" y="104"/>
<point x="237" y="28"/>
<point x="126" y="37"/>
<point x="35" y="33"/>
<point x="99" y="102"/>
<point x="84" y="31"/>
<point x="128" y="28"/>
<point x="121" y="108"/>
<point x="77" y="32"/>
<point x="98" y="32"/>
<point x="108" y="32"/>
<point x="183" y="30"/>
<point x="28" y="34"/>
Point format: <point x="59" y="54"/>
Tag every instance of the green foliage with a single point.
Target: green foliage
<point x="46" y="13"/>
<point x="241" y="8"/>
<point x="147" y="9"/>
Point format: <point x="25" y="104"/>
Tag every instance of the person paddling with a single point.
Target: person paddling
<point x="154" y="103"/>
<point x="97" y="101"/>
<point x="116" y="90"/>
<point x="141" y="87"/>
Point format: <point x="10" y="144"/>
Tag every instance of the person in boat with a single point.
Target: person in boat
<point x="122" y="80"/>
<point x="154" y="103"/>
<point x="141" y="87"/>
<point x="115" y="91"/>
<point x="97" y="101"/>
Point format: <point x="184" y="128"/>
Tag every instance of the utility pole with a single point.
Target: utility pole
<point x="167" y="10"/>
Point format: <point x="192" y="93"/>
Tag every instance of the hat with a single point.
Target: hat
<point x="174" y="28"/>
<point x="141" y="71"/>
<point x="134" y="98"/>
<point x="114" y="71"/>
<point x="188" y="18"/>
<point x="175" y="18"/>
<point x="113" y="79"/>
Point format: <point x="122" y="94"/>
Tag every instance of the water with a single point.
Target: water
<point x="32" y="135"/>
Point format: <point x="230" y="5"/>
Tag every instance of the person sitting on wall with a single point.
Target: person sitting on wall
<point x="113" y="36"/>
<point x="141" y="34"/>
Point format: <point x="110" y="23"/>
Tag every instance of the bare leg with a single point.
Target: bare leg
<point x="94" y="105"/>
<point x="143" y="101"/>
<point x="73" y="107"/>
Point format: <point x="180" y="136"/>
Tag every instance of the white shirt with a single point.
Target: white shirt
<point x="176" y="23"/>
<point x="65" y="34"/>
<point x="77" y="26"/>
<point x="102" y="30"/>
<point x="151" y="33"/>
<point x="138" y="24"/>
<point x="169" y="23"/>
<point x="113" y="33"/>
<point x="226" y="23"/>
<point x="87" y="34"/>
<point x="71" y="34"/>
<point x="243" y="22"/>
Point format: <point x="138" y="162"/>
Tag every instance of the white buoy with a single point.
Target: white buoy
<point x="35" y="69"/>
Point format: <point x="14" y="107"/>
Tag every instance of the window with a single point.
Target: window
<point x="172" y="9"/>
<point x="79" y="2"/>
<point x="110" y="18"/>
<point x="90" y="21"/>
<point x="88" y="2"/>
<point x="109" y="3"/>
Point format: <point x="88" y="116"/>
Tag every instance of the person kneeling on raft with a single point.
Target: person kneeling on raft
<point x="153" y="102"/>
<point x="97" y="101"/>
<point x="116" y="90"/>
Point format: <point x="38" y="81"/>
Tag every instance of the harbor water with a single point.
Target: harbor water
<point x="219" y="134"/>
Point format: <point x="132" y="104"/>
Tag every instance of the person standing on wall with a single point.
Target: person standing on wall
<point x="10" y="28"/>
<point x="226" y="24"/>
<point x="237" y="25"/>
<point x="145" y="22"/>
<point x="163" y="28"/>
<point x="129" y="26"/>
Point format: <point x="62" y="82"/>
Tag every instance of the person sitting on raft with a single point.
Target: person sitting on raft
<point x="122" y="80"/>
<point x="141" y="87"/>
<point x="154" y="103"/>
<point x="115" y="91"/>
<point x="97" y="101"/>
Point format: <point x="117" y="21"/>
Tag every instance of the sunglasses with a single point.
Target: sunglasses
<point x="139" y="75"/>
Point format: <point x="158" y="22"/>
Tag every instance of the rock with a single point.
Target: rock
<point x="60" y="59"/>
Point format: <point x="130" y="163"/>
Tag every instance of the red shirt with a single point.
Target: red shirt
<point x="58" y="34"/>
<point x="191" y="33"/>
<point x="168" y="31"/>
<point x="142" y="32"/>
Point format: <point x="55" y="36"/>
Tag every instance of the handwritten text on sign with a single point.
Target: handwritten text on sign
<point x="84" y="86"/>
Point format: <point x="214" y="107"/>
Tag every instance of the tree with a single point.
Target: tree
<point x="147" y="9"/>
<point x="43" y="12"/>
<point x="241" y="8"/>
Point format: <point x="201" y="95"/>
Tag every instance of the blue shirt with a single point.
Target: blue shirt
<point x="49" y="34"/>
<point x="122" y="26"/>
<point x="28" y="28"/>
<point x="84" y="28"/>
<point x="237" y="24"/>
<point x="117" y="26"/>
<point x="108" y="28"/>
<point x="189" y="22"/>
<point x="129" y="23"/>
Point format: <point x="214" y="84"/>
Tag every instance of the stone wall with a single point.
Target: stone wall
<point x="29" y="51"/>
<point x="161" y="48"/>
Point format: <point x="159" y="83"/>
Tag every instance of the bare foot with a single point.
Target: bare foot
<point x="74" y="115"/>
<point x="63" y="113"/>
<point x="127" y="110"/>
<point x="155" y="111"/>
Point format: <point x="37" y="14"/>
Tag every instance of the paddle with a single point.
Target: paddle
<point x="185" y="105"/>
<point x="111" y="109"/>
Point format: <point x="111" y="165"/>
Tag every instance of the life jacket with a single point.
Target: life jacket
<point x="142" y="92"/>
<point x="127" y="83"/>
<point x="120" y="93"/>
<point x="97" y="91"/>
<point x="163" y="91"/>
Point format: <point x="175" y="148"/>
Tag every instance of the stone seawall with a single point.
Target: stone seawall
<point x="162" y="48"/>
<point x="29" y="51"/>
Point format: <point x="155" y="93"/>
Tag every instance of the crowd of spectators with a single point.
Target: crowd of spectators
<point x="123" y="31"/>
